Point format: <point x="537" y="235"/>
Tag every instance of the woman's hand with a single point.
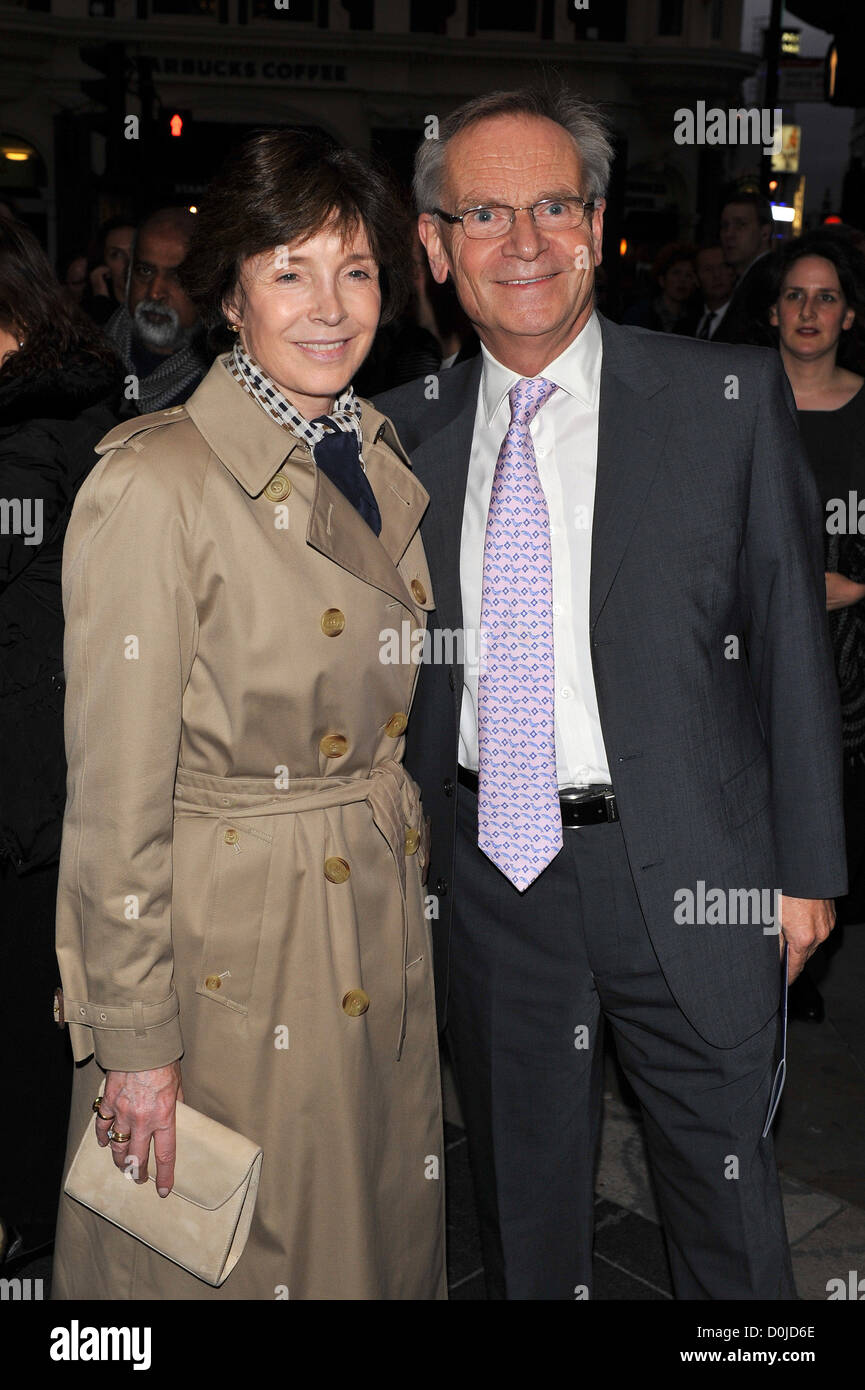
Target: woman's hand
<point x="142" y="1105"/>
<point x="841" y="592"/>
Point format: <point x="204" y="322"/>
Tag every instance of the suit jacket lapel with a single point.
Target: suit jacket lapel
<point x="632" y="427"/>
<point x="441" y="463"/>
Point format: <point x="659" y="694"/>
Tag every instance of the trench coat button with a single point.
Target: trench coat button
<point x="334" y="745"/>
<point x="418" y="590"/>
<point x="213" y="982"/>
<point x="396" y="725"/>
<point x="412" y="840"/>
<point x="231" y="837"/>
<point x="332" y="622"/>
<point x="448" y="785"/>
<point x="336" y="870"/>
<point x="356" y="1002"/>
<point x="278" y="488"/>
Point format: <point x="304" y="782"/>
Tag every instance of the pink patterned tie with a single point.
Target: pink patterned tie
<point x="519" y="818"/>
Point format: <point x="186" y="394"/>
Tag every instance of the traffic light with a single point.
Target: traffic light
<point x="109" y="93"/>
<point x="109" y="90"/>
<point x="176" y="122"/>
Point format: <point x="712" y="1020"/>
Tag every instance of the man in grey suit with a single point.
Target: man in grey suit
<point x="644" y="759"/>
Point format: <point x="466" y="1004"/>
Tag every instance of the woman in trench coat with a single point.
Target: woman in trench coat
<point x="241" y="913"/>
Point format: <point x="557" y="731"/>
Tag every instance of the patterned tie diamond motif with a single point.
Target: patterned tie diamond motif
<point x="519" y="818"/>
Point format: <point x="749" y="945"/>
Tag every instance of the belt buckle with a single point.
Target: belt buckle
<point x="610" y="801"/>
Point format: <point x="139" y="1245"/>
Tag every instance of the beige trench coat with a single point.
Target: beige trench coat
<point x="242" y="857"/>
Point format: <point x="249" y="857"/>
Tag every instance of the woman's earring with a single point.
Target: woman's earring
<point x="235" y="327"/>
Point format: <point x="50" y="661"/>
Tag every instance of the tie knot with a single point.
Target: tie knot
<point x="527" y="396"/>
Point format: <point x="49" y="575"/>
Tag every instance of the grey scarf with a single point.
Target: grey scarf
<point x="176" y="376"/>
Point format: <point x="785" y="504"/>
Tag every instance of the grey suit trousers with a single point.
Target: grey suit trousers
<point x="534" y="976"/>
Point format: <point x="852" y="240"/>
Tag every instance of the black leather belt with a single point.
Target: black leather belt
<point x="580" y="805"/>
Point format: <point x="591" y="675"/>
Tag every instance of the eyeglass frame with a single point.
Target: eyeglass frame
<point x="452" y="217"/>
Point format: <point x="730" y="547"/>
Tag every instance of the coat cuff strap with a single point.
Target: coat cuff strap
<point x="131" y="1037"/>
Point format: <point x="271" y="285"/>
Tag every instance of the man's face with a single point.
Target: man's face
<point x="163" y="314"/>
<point x="742" y="236"/>
<point x="528" y="292"/>
<point x="716" y="277"/>
<point x="116" y="252"/>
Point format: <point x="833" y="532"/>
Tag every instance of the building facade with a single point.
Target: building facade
<point x="369" y="72"/>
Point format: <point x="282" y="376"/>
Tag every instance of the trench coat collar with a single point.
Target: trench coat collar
<point x="253" y="447"/>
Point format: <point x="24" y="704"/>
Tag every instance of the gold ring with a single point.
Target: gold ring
<point x="95" y="1108"/>
<point x="119" y="1138"/>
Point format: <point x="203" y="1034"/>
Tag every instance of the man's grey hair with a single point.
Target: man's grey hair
<point x="585" y="124"/>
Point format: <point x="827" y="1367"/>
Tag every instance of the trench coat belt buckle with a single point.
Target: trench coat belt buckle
<point x="393" y="800"/>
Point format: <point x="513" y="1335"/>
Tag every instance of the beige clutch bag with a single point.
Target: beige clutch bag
<point x="203" y="1223"/>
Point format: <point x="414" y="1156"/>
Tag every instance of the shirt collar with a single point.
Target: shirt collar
<point x="577" y="370"/>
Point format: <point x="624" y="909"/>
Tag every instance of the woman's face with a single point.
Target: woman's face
<point x="679" y="282"/>
<point x="811" y="312"/>
<point x="9" y="342"/>
<point x="309" y="312"/>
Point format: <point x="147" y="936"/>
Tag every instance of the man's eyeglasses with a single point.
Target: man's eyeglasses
<point x="550" y="215"/>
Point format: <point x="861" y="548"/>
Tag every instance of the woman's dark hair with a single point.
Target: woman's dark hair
<point x="281" y="187"/>
<point x="33" y="302"/>
<point x="850" y="266"/>
<point x="96" y="247"/>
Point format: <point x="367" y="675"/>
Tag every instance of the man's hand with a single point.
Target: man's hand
<point x="141" y="1104"/>
<point x="805" y="923"/>
<point x="841" y="592"/>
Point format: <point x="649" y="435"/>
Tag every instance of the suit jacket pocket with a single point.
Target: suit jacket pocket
<point x="747" y="792"/>
<point x="235" y="910"/>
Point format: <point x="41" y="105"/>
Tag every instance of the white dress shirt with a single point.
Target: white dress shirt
<point x="715" y="315"/>
<point x="565" y="437"/>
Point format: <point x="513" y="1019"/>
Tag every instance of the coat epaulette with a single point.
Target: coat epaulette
<point x="127" y="430"/>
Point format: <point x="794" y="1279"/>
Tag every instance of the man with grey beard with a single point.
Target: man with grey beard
<point x="157" y="331"/>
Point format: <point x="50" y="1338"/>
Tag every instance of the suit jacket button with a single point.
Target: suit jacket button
<point x="334" y="745"/>
<point x="278" y="488"/>
<point x="452" y="680"/>
<point x="336" y="870"/>
<point x="442" y="887"/>
<point x="448" y="785"/>
<point x="355" y="1002"/>
<point x="332" y="622"/>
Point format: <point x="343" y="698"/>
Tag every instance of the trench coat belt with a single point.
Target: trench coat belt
<point x="392" y="795"/>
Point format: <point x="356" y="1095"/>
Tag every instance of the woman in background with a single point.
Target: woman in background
<point x="54" y="365"/>
<point x="820" y="281"/>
